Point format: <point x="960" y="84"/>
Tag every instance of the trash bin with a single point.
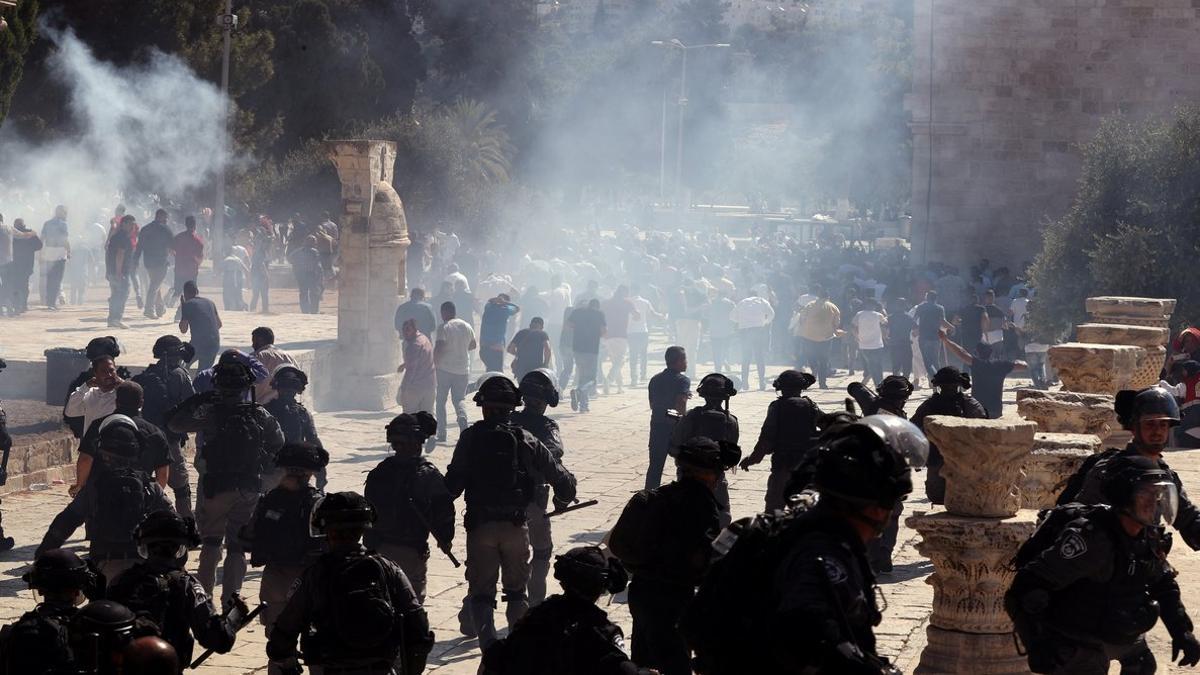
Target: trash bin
<point x="63" y="364"/>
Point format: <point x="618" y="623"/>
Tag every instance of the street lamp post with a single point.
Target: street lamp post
<point x="675" y="43"/>
<point x="227" y="22"/>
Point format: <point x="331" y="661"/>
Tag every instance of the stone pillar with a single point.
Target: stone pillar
<point x="1095" y="368"/>
<point x="972" y="544"/>
<point x="1055" y="458"/>
<point x="1066" y="412"/>
<point x="1151" y="340"/>
<point x="371" y="278"/>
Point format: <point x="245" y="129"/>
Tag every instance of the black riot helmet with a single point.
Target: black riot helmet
<point x="950" y="380"/>
<point x="867" y="463"/>
<point x="585" y="570"/>
<point x="716" y="385"/>
<point x="540" y="384"/>
<point x="169" y="346"/>
<point x="793" y="380"/>
<point x="306" y="456"/>
<point x="1139" y="487"/>
<point x="165" y="534"/>
<point x="102" y="346"/>
<point x="496" y="389"/>
<point x="120" y="441"/>
<point x="702" y="453"/>
<point x="1149" y="403"/>
<point x="288" y="376"/>
<point x="61" y="570"/>
<point x="232" y="376"/>
<point x="896" y="388"/>
<point x="416" y="427"/>
<point x="99" y="633"/>
<point x="341" y="509"/>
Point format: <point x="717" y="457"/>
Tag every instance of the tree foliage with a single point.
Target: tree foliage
<point x="1133" y="226"/>
<point x="14" y="43"/>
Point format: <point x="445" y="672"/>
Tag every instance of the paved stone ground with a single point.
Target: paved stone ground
<point x="606" y="449"/>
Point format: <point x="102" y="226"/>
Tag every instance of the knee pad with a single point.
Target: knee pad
<point x="513" y="596"/>
<point x="484" y="600"/>
<point x="542" y="555"/>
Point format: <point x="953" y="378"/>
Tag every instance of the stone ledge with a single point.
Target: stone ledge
<point x="1115" y="305"/>
<point x="1121" y="334"/>
<point x="43" y="461"/>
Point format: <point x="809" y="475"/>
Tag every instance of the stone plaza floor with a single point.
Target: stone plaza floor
<point x="606" y="450"/>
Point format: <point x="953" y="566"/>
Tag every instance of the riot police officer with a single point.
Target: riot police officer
<point x="664" y="536"/>
<point x="106" y="638"/>
<point x="294" y="419"/>
<point x="117" y="496"/>
<point x="894" y="391"/>
<point x="1150" y="414"/>
<point x="787" y="432"/>
<point x="1094" y="579"/>
<point x="411" y="498"/>
<point x="949" y="398"/>
<point x="278" y="536"/>
<point x="165" y="384"/>
<point x="6" y="443"/>
<point x="497" y="465"/>
<point x="160" y="589"/>
<point x="362" y="612"/>
<point x="821" y="599"/>
<point x="568" y="634"/>
<point x="37" y="642"/>
<point x="713" y="421"/>
<point x="99" y="348"/>
<point x="539" y="389"/>
<point x="240" y="442"/>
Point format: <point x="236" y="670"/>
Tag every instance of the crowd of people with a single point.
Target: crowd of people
<point x="792" y="588"/>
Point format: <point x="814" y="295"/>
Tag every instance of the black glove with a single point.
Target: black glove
<point x="238" y="613"/>
<point x="560" y="504"/>
<point x="1189" y="645"/>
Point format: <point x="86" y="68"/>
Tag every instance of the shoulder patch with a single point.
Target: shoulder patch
<point x="834" y="570"/>
<point x="619" y="643"/>
<point x="1072" y="546"/>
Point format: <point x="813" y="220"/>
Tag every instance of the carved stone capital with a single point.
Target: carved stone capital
<point x="1068" y="412"/>
<point x="983" y="461"/>
<point x="1055" y="457"/>
<point x="1095" y="368"/>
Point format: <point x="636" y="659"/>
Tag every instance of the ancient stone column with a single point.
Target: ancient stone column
<point x="1066" y="412"/>
<point x="1151" y="340"/>
<point x="374" y="236"/>
<point x="1054" y="459"/>
<point x="1095" y="368"/>
<point x="972" y="545"/>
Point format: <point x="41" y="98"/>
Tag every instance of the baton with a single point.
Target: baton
<point x="245" y="622"/>
<point x="573" y="507"/>
<point x="425" y="523"/>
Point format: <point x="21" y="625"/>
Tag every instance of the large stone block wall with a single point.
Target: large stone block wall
<point x="1017" y="86"/>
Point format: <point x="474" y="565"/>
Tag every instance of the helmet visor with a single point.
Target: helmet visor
<point x="903" y="436"/>
<point x="1155" y="503"/>
<point x="314" y="530"/>
<point x="947" y="389"/>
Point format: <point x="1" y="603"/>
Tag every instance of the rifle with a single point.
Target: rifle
<point x="573" y="507"/>
<point x="245" y="622"/>
<point x="444" y="548"/>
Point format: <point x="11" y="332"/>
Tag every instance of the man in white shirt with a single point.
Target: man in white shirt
<point x="868" y="327"/>
<point x="557" y="299"/>
<point x="97" y="397"/>
<point x="753" y="317"/>
<point x="1019" y="307"/>
<point x="452" y="361"/>
<point x="639" y="335"/>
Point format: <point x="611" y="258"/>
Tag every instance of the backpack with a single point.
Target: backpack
<point x="156" y="396"/>
<point x="360" y="611"/>
<point x="148" y="594"/>
<point x="726" y="618"/>
<point x="36" y="643"/>
<point x="636" y="537"/>
<point x="542" y="643"/>
<point x="123" y="499"/>
<point x="498" y="470"/>
<point x="236" y="445"/>
<point x="714" y="424"/>
<point x="389" y="489"/>
<point x="1050" y="524"/>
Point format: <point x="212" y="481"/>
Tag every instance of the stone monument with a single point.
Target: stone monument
<point x="374" y="238"/>
<point x="972" y="545"/>
<point x="1054" y="458"/>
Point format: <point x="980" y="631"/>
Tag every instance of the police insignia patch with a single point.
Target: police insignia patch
<point x="1072" y="546"/>
<point x="834" y="571"/>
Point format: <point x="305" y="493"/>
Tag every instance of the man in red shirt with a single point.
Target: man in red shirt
<point x="189" y="253"/>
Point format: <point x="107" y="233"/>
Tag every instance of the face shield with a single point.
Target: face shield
<point x="947" y="389"/>
<point x="902" y="436"/>
<point x="1155" y="503"/>
<point x="314" y="530"/>
<point x="172" y="550"/>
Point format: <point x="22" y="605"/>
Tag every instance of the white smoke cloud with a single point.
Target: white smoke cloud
<point x="152" y="127"/>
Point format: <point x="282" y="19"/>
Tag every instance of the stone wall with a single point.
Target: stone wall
<point x="1017" y="85"/>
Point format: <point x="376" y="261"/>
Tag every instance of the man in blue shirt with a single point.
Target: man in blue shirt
<point x="493" y="330"/>
<point x="419" y="311"/>
<point x="668" y="392"/>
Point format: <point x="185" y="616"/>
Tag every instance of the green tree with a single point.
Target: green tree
<point x="1132" y="229"/>
<point x="14" y="43"/>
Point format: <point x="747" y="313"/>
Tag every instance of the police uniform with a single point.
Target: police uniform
<point x="1089" y="597"/>
<point x="309" y="606"/>
<point x="107" y="502"/>
<point x="177" y="386"/>
<point x="787" y="432"/>
<point x="412" y="500"/>
<point x="663" y="390"/>
<point x="717" y="424"/>
<point x="38" y="642"/>
<point x="956" y="404"/>
<point x="1084" y="487"/>
<point x="297" y="425"/>
<point x="540" y="535"/>
<point x="228" y="493"/>
<point x="178" y="604"/>
<point x="496" y="517"/>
